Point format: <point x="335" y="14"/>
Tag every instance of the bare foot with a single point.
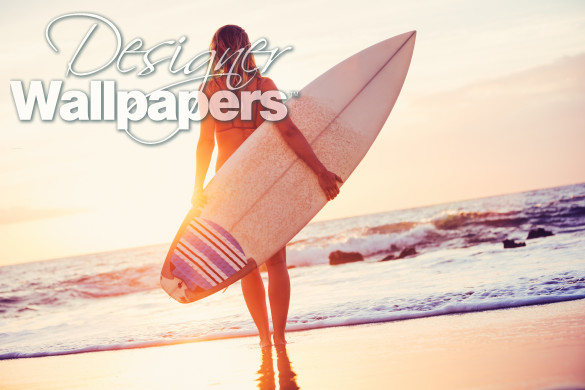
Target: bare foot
<point x="279" y="340"/>
<point x="265" y="343"/>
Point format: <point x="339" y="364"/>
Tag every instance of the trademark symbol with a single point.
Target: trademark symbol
<point x="294" y="94"/>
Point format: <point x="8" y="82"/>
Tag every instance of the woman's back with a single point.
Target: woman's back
<point x="231" y="134"/>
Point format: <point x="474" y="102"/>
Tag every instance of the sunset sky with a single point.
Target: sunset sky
<point x="494" y="103"/>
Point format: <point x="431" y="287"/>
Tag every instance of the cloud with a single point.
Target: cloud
<point x="547" y="85"/>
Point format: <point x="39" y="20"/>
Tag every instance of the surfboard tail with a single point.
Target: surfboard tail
<point x="178" y="289"/>
<point x="203" y="259"/>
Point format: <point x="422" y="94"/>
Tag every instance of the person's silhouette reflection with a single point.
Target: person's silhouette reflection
<point x="266" y="371"/>
<point x="286" y="376"/>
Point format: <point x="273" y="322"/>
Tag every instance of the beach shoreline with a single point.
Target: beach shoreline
<point x="530" y="347"/>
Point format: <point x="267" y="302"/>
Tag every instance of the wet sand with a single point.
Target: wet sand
<point x="534" y="347"/>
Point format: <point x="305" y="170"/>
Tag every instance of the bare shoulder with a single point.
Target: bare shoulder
<point x="267" y="84"/>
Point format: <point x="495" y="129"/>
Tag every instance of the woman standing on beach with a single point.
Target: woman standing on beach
<point x="230" y="135"/>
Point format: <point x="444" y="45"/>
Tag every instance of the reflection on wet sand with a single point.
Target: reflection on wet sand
<point x="286" y="376"/>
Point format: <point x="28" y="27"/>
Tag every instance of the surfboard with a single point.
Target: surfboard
<point x="263" y="195"/>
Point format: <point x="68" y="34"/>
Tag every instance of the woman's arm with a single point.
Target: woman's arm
<point x="205" y="147"/>
<point x="299" y="144"/>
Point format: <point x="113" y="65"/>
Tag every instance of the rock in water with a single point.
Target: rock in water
<point x="537" y="233"/>
<point x="513" y="244"/>
<point x="410" y="251"/>
<point x="389" y="257"/>
<point x="340" y="257"/>
<point x="393" y="248"/>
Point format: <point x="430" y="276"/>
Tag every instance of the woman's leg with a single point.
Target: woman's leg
<point x="278" y="293"/>
<point x="255" y="297"/>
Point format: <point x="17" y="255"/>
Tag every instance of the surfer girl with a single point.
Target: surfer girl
<point x="230" y="135"/>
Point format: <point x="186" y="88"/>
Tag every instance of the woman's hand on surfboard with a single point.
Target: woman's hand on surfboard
<point x="328" y="182"/>
<point x="199" y="199"/>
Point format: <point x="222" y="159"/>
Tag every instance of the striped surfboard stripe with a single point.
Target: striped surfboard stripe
<point x="206" y="255"/>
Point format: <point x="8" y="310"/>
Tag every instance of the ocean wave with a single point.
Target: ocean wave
<point x="449" y="229"/>
<point x="318" y="321"/>
<point x="114" y="283"/>
<point x="453" y="221"/>
<point x="112" y="300"/>
<point x="53" y="292"/>
<point x="317" y="251"/>
<point x="571" y="198"/>
<point x="459" y="228"/>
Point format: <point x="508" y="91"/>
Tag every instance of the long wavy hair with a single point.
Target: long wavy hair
<point x="228" y="40"/>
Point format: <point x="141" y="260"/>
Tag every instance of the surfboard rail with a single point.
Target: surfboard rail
<point x="263" y="195"/>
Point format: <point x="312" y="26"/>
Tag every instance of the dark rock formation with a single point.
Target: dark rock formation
<point x="389" y="257"/>
<point x="513" y="244"/>
<point x="537" y="233"/>
<point x="393" y="248"/>
<point x="409" y="251"/>
<point x="340" y="257"/>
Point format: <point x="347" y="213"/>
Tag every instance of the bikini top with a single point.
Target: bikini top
<point x="260" y="83"/>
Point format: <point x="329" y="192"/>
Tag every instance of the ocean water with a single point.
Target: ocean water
<point x="112" y="300"/>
